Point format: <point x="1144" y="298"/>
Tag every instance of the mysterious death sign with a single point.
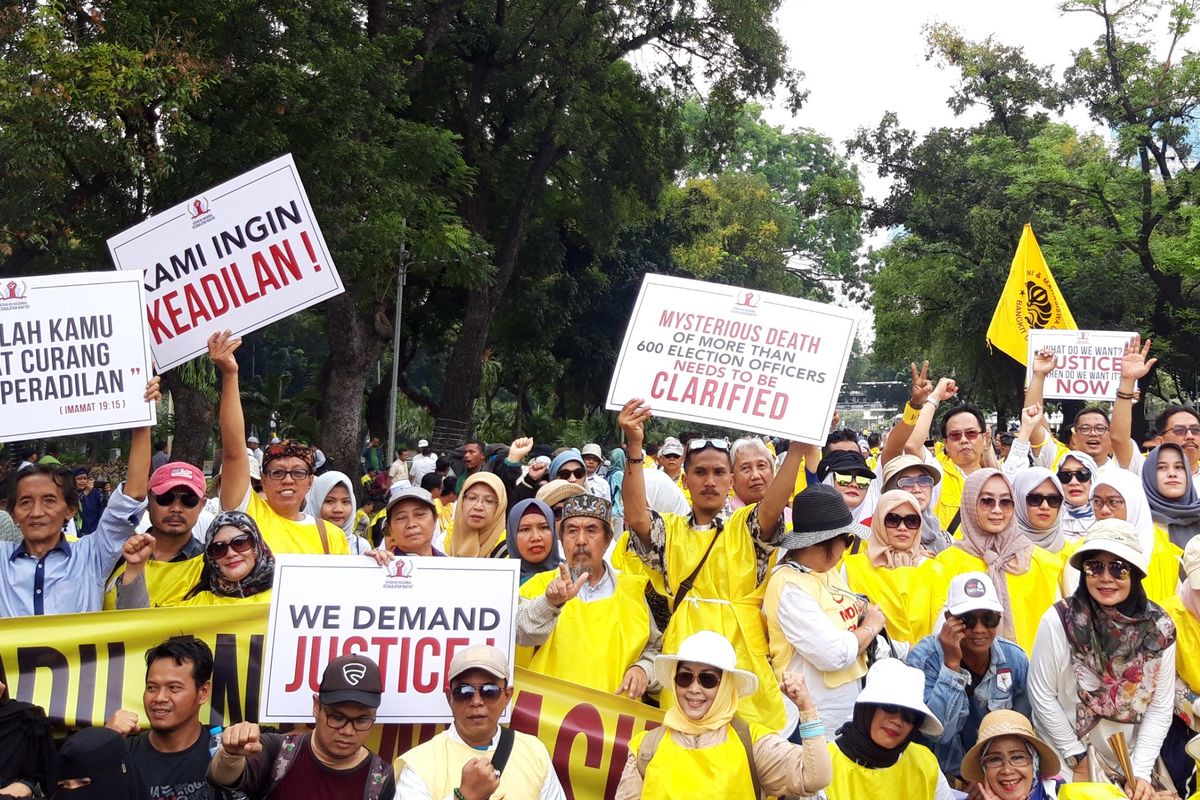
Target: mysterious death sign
<point x="73" y="355"/>
<point x="239" y="256"/>
<point x="735" y="358"/>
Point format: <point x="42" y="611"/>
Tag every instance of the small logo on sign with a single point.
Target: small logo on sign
<point x="353" y="673"/>
<point x="199" y="211"/>
<point x="13" y="296"/>
<point x="746" y="302"/>
<point x="399" y="573"/>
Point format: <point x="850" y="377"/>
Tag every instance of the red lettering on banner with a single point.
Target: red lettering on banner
<point x="430" y="645"/>
<point x="582" y="720"/>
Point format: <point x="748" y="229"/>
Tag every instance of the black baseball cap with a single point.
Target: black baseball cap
<point x="352" y="679"/>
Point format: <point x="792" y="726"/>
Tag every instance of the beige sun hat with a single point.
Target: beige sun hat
<point x="713" y="649"/>
<point x="1007" y="723"/>
<point x="1116" y="537"/>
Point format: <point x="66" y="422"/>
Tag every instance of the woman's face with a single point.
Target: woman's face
<point x="695" y="700"/>
<point x="534" y="538"/>
<point x="1006" y="780"/>
<point x="1037" y="503"/>
<point x="235" y="566"/>
<point x="337" y="507"/>
<point x="903" y="524"/>
<point x="916" y="482"/>
<point x="479" y="505"/>
<point x="1108" y="503"/>
<point x="994" y="505"/>
<point x="1077" y="492"/>
<point x="1103" y="587"/>
<point x="752" y="472"/>
<point x="891" y="726"/>
<point x="1171" y="474"/>
<point x="852" y="488"/>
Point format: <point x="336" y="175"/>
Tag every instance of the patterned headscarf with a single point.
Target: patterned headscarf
<point x="213" y="580"/>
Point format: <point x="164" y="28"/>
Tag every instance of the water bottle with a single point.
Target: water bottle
<point x="214" y="740"/>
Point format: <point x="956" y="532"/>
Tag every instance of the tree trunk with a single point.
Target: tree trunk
<point x="464" y="370"/>
<point x="193" y="421"/>
<point x="377" y="406"/>
<point x="354" y="346"/>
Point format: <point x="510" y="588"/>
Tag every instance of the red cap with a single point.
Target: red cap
<point x="177" y="473"/>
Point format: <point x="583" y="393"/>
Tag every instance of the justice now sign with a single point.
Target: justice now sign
<point x="1087" y="364"/>
<point x="240" y="255"/>
<point x="410" y="618"/>
<point x="737" y="358"/>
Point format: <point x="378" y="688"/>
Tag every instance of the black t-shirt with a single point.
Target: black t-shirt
<point x="172" y="776"/>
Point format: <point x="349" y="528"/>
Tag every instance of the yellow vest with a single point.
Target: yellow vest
<point x="575" y="653"/>
<point x="166" y="581"/>
<point x="440" y="762"/>
<point x="914" y="776"/>
<point x="911" y="598"/>
<point x="951" y="488"/>
<point x="1090" y="791"/>
<point x="207" y="598"/>
<point x="721" y="771"/>
<point x="840" y="605"/>
<point x="1187" y="650"/>
<point x="1030" y="594"/>
<point x="726" y="598"/>
<point x="283" y="535"/>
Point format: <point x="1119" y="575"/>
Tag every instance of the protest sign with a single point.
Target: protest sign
<point x="73" y="355"/>
<point x="734" y="357"/>
<point x="1087" y="363"/>
<point x="410" y="619"/>
<point x="239" y="256"/>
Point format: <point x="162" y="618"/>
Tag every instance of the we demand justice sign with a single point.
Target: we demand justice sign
<point x="239" y="256"/>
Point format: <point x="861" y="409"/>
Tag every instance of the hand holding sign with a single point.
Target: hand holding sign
<point x="221" y="347"/>
<point x="632" y="420"/>
<point x="635" y="683"/>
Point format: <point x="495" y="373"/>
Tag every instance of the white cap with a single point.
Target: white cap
<point x="671" y="447"/>
<point x="891" y="682"/>
<point x="592" y="449"/>
<point x="423" y="443"/>
<point x="972" y="591"/>
<point x="1191" y="562"/>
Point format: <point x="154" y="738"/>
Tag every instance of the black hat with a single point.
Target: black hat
<point x="847" y="462"/>
<point x="352" y="679"/>
<point x="818" y="514"/>
<point x="98" y="754"/>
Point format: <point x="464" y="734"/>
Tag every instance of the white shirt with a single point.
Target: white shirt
<point x="598" y="486"/>
<point x="421" y="466"/>
<point x="412" y="786"/>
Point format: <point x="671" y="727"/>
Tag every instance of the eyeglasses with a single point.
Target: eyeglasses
<point x="699" y="444"/>
<point x="239" y="544"/>
<point x="1033" y="500"/>
<point x="278" y="474"/>
<point x="338" y="721"/>
<point x="1108" y="502"/>
<point x="861" y="481"/>
<point x="480" y="500"/>
<point x="708" y="680"/>
<point x="188" y="499"/>
<point x="1068" y="475"/>
<point x="1118" y="569"/>
<point x="990" y="619"/>
<point x="465" y="692"/>
<point x="914" y="481"/>
<point x="1184" y="430"/>
<point x="566" y="473"/>
<point x="957" y="436"/>
<point x="987" y="501"/>
<point x="907" y="521"/>
<point x="1088" y="430"/>
<point x="907" y="714"/>
<point x="995" y="761"/>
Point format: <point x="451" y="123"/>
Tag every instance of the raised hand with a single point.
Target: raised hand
<point x="635" y="683"/>
<point x="123" y="722"/>
<point x="241" y="739"/>
<point x="1031" y="417"/>
<point x="632" y="419"/>
<point x="480" y="779"/>
<point x="921" y="385"/>
<point x="538" y="470"/>
<point x="1043" y="362"/>
<point x="945" y="389"/>
<point x="562" y="588"/>
<point x="519" y="449"/>
<point x="221" y="347"/>
<point x="796" y="690"/>
<point x="138" y="548"/>
<point x="1134" y="363"/>
<point x="950" y="637"/>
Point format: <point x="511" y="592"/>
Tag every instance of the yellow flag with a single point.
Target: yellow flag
<point x="1030" y="301"/>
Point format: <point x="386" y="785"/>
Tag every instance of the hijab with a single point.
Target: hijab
<point x="880" y="549"/>
<point x="855" y="742"/>
<point x="99" y="754"/>
<point x="322" y="485"/>
<point x="1181" y="517"/>
<point x="1025" y="482"/>
<point x="552" y="559"/>
<point x="1137" y="508"/>
<point x="1079" y="518"/>
<point x="1005" y="553"/>
<point x="479" y="545"/>
<point x="260" y="579"/>
<point x="718" y="715"/>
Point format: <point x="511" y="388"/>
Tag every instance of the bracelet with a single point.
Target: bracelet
<point x="458" y="795"/>
<point x="911" y="414"/>
<point x="1125" y="395"/>
<point x="934" y="403"/>
<point x="641" y="460"/>
<point x="809" y="730"/>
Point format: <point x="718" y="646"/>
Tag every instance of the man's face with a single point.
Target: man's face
<point x="176" y="518"/>
<point x="671" y="464"/>
<point x="172" y="699"/>
<point x="251" y="445"/>
<point x="476" y="718"/>
<point x="1091" y="435"/>
<point x="411" y="525"/>
<point x="592" y="463"/>
<point x="709" y="478"/>
<point x="1004" y="447"/>
<point x="978" y="637"/>
<point x="41" y="510"/>
<point x="572" y="471"/>
<point x="472" y="456"/>
<point x="81" y="482"/>
<point x="1183" y="429"/>
<point x="374" y="441"/>
<point x="584" y="542"/>
<point x="752" y="473"/>
<point x="964" y="450"/>
<point x="284" y="491"/>
<point x="335" y="730"/>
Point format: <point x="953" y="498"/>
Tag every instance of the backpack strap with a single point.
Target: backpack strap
<point x="377" y="778"/>
<point x="324" y="535"/>
<point x="953" y="526"/>
<point x="503" y="749"/>
<point x="650" y="744"/>
<point x="686" y="584"/>
<point x="743" y="733"/>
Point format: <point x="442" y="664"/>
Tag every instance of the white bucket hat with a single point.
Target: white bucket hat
<point x="890" y="682"/>
<point x="1114" y="536"/>
<point x="713" y="649"/>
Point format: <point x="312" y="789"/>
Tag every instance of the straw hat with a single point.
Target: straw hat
<point x="713" y="649"/>
<point x="902" y="462"/>
<point x="891" y="682"/>
<point x="1007" y="723"/>
<point x="1114" y="536"/>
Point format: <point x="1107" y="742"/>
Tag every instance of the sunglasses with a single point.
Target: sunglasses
<point x="188" y="499"/>
<point x="1080" y="475"/>
<point x="914" y="481"/>
<point x="907" y="521"/>
<point x="700" y="444"/>
<point x="957" y="436"/>
<point x="1033" y="500"/>
<point x="1117" y="569"/>
<point x="566" y="473"/>
<point x="990" y="619"/>
<point x="861" y="481"/>
<point x="708" y="680"/>
<point x="990" y="502"/>
<point x="907" y="714"/>
<point x="240" y="544"/>
<point x="465" y="692"/>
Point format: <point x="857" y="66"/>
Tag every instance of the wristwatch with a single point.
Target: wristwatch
<point x="1073" y="760"/>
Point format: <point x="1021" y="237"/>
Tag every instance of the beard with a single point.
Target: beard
<point x="580" y="566"/>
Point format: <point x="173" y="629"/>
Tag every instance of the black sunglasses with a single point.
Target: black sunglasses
<point x="465" y="692"/>
<point x="565" y="473"/>
<point x="907" y="714"/>
<point x="188" y="499"/>
<point x="240" y="544"/>
<point x="990" y="619"/>
<point x="1118" y="569"/>
<point x="1033" y="500"/>
<point x="908" y="521"/>
<point x="708" y="680"/>
<point x="1067" y="475"/>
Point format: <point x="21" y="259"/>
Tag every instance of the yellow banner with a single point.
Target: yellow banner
<point x="83" y="667"/>
<point x="1030" y="301"/>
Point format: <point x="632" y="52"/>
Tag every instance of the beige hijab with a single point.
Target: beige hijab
<point x="880" y="549"/>
<point x="464" y="542"/>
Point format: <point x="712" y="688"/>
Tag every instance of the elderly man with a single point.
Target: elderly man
<point x="330" y="762"/>
<point x="467" y="761"/>
<point x="670" y="459"/>
<point x="593" y="458"/>
<point x="561" y="610"/>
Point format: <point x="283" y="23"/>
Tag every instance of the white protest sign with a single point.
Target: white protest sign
<point x="1087" y="363"/>
<point x="239" y="256"/>
<point x="734" y="357"/>
<point x="73" y="355"/>
<point x="410" y="619"/>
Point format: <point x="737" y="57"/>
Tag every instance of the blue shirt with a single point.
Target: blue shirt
<point x="71" y="577"/>
<point x="1004" y="686"/>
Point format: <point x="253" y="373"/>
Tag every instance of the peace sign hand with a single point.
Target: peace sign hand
<point x="921" y="385"/>
<point x="562" y="588"/>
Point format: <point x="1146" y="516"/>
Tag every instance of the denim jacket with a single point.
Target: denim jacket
<point x="1005" y="686"/>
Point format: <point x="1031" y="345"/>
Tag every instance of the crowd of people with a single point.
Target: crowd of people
<point x="936" y="609"/>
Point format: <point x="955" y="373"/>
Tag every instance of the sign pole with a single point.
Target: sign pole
<point x="401" y="279"/>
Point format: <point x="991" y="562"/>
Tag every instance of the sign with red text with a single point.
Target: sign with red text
<point x="410" y="618"/>
<point x="73" y="355"/>
<point x="1087" y="363"/>
<point x="239" y="256"/>
<point x="736" y="358"/>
